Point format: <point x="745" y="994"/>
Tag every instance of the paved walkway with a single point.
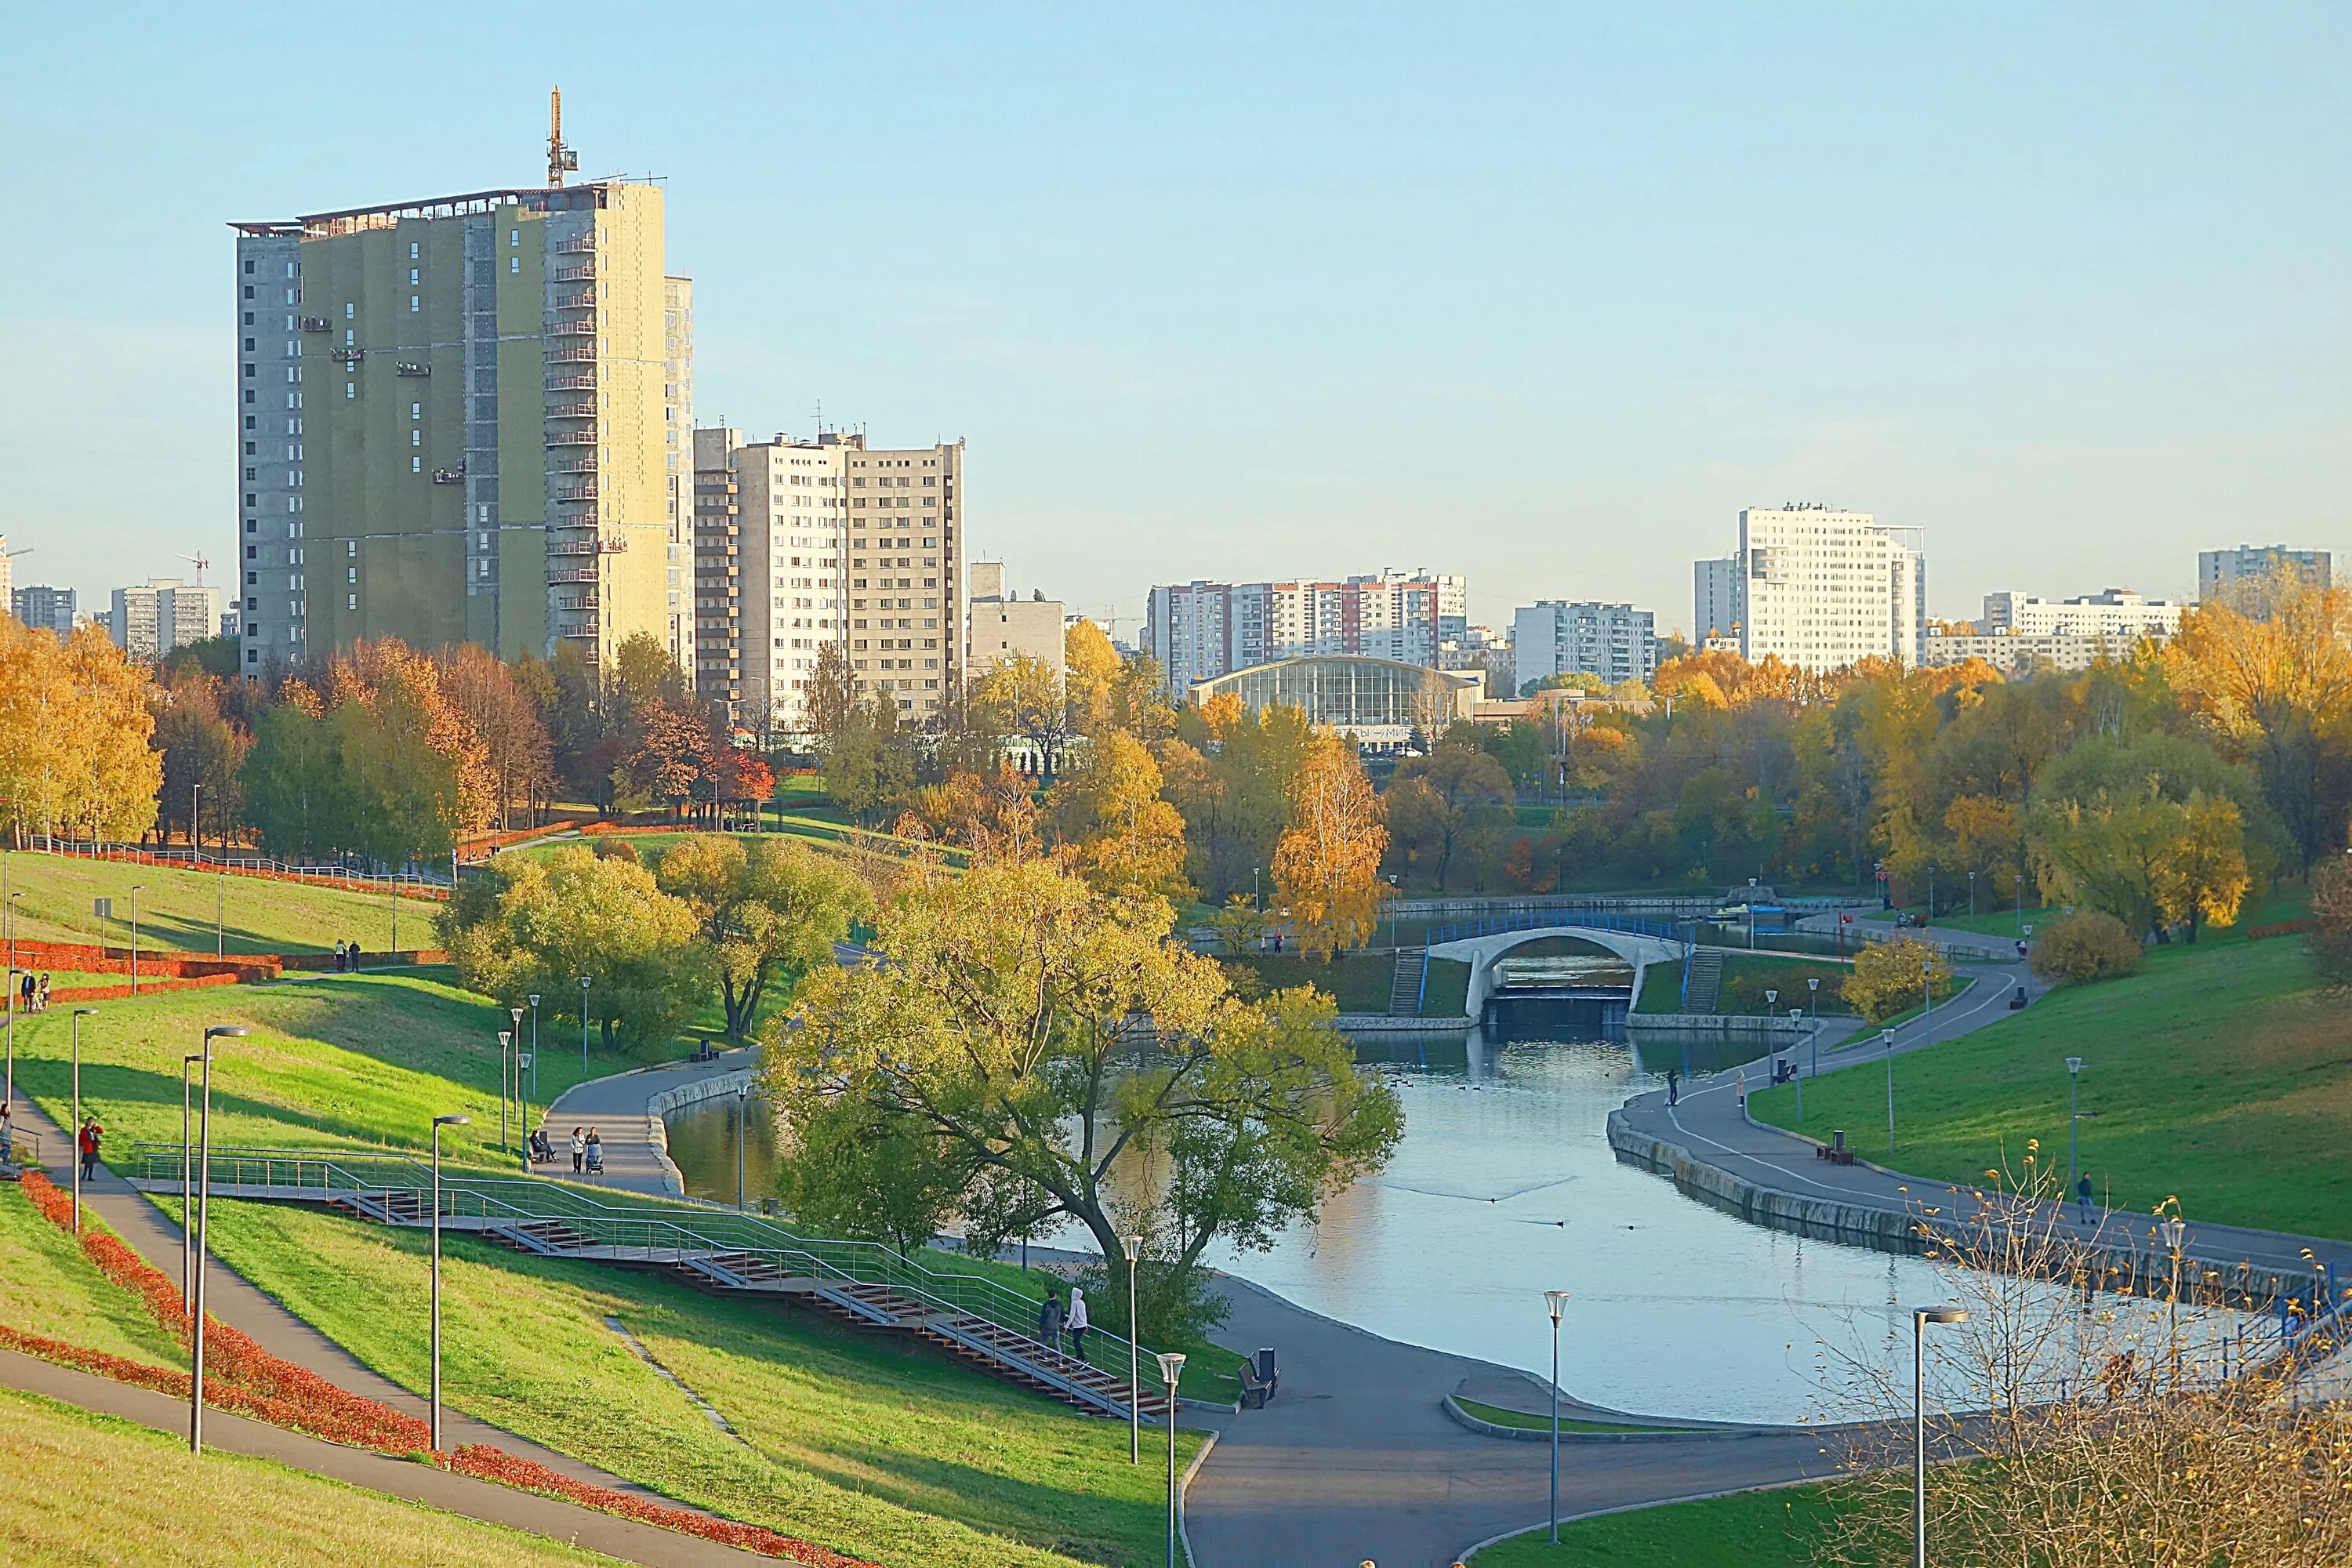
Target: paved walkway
<point x="1356" y="1460"/>
<point x="636" y="1150"/>
<point x="1711" y="1127"/>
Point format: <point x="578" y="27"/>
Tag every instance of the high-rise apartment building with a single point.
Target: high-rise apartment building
<point x="455" y="422"/>
<point x="1004" y="626"/>
<point x="50" y="609"/>
<point x="801" y="542"/>
<point x="2218" y="570"/>
<point x="2118" y="615"/>
<point x="1714" y="595"/>
<point x="1615" y="643"/>
<point x="1822" y="589"/>
<point x="1200" y="630"/>
<point x="677" y="460"/>
<point x="162" y="613"/>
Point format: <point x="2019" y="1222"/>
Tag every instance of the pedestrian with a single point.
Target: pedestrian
<point x="1277" y="942"/>
<point x="595" y="1153"/>
<point x="1673" y="1087"/>
<point x="340" y="963"/>
<point x="91" y="1133"/>
<point x="1049" y="1322"/>
<point x="24" y="988"/>
<point x="2083" y="1197"/>
<point x="579" y="1150"/>
<point x="353" y="949"/>
<point x="7" y="1136"/>
<point x="1078" y="1325"/>
<point x="42" y="1004"/>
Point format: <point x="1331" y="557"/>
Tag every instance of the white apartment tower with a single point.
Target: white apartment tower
<point x="1614" y="643"/>
<point x="1822" y="589"/>
<point x="1715" y="594"/>
<point x="162" y="613"/>
<point x="678" y="456"/>
<point x="2218" y="570"/>
<point x="1004" y="626"/>
<point x="1200" y="630"/>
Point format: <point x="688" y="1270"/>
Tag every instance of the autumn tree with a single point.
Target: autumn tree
<point x="992" y="816"/>
<point x="1058" y="1049"/>
<point x="768" y="910"/>
<point x="1090" y="670"/>
<point x="2153" y="830"/>
<point x="869" y="765"/>
<point x="832" y="694"/>
<point x="1448" y="806"/>
<point x="505" y="717"/>
<point x="536" y="926"/>
<point x="1023" y="696"/>
<point x="1892" y="977"/>
<point x="201" y="752"/>
<point x="1119" y="833"/>
<point x="1327" y="866"/>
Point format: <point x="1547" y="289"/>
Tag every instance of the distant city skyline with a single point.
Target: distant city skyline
<point x="1225" y="294"/>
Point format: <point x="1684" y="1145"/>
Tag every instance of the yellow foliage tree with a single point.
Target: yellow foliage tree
<point x="1090" y="667"/>
<point x="1888" y="977"/>
<point x="75" y="724"/>
<point x="1117" y="832"/>
<point x="2202" y="875"/>
<point x="1326" y="865"/>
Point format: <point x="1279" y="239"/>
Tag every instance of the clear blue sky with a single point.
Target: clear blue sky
<point x="1539" y="295"/>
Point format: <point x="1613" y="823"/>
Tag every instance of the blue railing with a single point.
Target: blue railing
<point x="1569" y="919"/>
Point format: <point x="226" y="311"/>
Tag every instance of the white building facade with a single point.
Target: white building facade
<point x="2219" y="569"/>
<point x="162" y="613"/>
<point x="1822" y="589"/>
<point x="1200" y="630"/>
<point x="1615" y="643"/>
<point x="1002" y="625"/>
<point x="2116" y="615"/>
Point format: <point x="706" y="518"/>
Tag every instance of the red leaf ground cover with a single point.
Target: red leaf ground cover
<point x="243" y="1378"/>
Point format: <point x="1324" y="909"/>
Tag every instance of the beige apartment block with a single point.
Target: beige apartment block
<point x="906" y="559"/>
<point x="484" y="425"/>
<point x="1004" y="626"/>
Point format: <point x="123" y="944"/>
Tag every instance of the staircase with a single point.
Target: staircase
<point x="1404" y="984"/>
<point x="1706" y="982"/>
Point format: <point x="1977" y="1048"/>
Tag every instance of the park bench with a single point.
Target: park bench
<point x="1259" y="1380"/>
<point x="1835" y="1151"/>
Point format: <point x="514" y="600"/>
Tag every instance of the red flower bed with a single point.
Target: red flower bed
<point x="2280" y="928"/>
<point x="497" y="1465"/>
<point x="243" y="1378"/>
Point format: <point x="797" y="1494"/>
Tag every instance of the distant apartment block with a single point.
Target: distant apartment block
<point x="2114" y="615"/>
<point x="1614" y="643"/>
<point x="1004" y="626"/>
<point x="677" y="460"/>
<point x="1200" y="630"/>
<point x="2017" y="653"/>
<point x="162" y="613"/>
<point x="2219" y="569"/>
<point x="1715" y="599"/>
<point x="1822" y="589"/>
<point x="37" y="605"/>
<point x="798" y="542"/>
<point x="471" y="410"/>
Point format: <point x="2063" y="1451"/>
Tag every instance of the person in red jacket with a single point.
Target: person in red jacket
<point x="91" y="1133"/>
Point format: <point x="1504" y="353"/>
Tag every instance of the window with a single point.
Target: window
<point x="412" y="254"/>
<point x="514" y="237"/>
<point x="349" y="310"/>
<point x="351" y="389"/>
<point x="412" y="304"/>
<point x="416" y="465"/>
<point x="413" y="274"/>
<point x="351" y="547"/>
<point x="514" y="263"/>
<point x="352" y="604"/>
<point x="416" y="411"/>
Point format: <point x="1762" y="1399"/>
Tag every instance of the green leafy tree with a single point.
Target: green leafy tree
<point x="768" y="910"/>
<point x="538" y="925"/>
<point x="1448" y="808"/>
<point x="859" y="1171"/>
<point x="869" y="766"/>
<point x="1041" y="1036"/>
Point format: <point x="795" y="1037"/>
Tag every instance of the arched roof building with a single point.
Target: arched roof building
<point x="1379" y="701"/>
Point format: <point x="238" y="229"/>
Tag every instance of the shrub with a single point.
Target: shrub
<point x="2089" y="944"/>
<point x="1886" y="978"/>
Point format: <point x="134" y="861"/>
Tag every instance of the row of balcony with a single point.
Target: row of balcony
<point x="580" y="383"/>
<point x="574" y="272"/>
<point x="587" y="630"/>
<point x="572" y="328"/>
<point x="572" y="492"/>
<point x="574" y="410"/>
<point x="584" y="245"/>
<point x="583" y="300"/>
<point x="574" y="465"/>
<point x="576" y="600"/>
<point x="572" y="437"/>
<point x="570" y="574"/>
<point x="615" y="544"/>
<point x="571" y="353"/>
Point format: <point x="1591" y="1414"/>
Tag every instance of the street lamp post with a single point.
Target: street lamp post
<point x="584" y="1024"/>
<point x="742" y="1121"/>
<point x="203" y="1234"/>
<point x="506" y="1039"/>
<point x="8" y="1094"/>
<point x="1887" y="1038"/>
<point x="79" y="1014"/>
<point x="1972" y="896"/>
<point x="2074" y="1120"/>
<point x="1920" y="1318"/>
<point x="2175" y="1231"/>
<point x="220" y="911"/>
<point x="1134" y="1245"/>
<point x="1926" y="998"/>
<point x="521" y="1100"/>
<point x="1172" y="1367"/>
<point x="534" y="1042"/>
<point x="187" y="1181"/>
<point x="1796" y="1016"/>
<point x="195" y="837"/>
<point x="1554" y="1303"/>
<point x="136" y="888"/>
<point x="439" y="1123"/>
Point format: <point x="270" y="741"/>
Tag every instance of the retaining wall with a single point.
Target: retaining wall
<point x="716" y="1085"/>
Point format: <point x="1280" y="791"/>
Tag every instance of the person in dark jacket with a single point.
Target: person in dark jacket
<point x="1049" y="1322"/>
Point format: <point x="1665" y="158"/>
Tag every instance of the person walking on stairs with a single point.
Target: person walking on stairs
<point x="1049" y="1322"/>
<point x="1077" y="1324"/>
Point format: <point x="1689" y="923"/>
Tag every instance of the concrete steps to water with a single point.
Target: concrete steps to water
<point x="1706" y="982"/>
<point x="1404" y="983"/>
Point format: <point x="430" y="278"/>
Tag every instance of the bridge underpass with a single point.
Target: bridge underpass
<point x="1585" y="972"/>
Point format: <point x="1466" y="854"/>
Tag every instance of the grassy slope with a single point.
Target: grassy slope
<point x="176" y="908"/>
<point x="2220" y="1074"/>
<point x="48" y="1288"/>
<point x="867" y="1444"/>
<point x="1784" y="1528"/>
<point x="1746" y="978"/>
<point x="1447" y="991"/>
<point x="111" y="1491"/>
<point x="368" y="1058"/>
<point x="1358" y="982"/>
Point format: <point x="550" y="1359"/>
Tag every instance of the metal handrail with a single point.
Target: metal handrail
<point x="1565" y="917"/>
<point x="632" y="1227"/>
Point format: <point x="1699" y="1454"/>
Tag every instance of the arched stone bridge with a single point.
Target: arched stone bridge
<point x="1639" y="942"/>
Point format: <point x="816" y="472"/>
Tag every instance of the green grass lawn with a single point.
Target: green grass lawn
<point x="1745" y="977"/>
<point x="48" y="1288"/>
<point x="97" y="1489"/>
<point x="2220" y="1074"/>
<point x="1523" y="1421"/>
<point x="1447" y="990"/>
<point x="1359" y="982"/>
<point x="259" y="914"/>
<point x="370" y="1057"/>
<point x="1787" y="1527"/>
<point x="870" y="1444"/>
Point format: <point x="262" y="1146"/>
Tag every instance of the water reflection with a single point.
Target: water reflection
<point x="703" y="1144"/>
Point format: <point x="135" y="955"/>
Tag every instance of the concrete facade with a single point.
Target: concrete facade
<point x="1200" y="630"/>
<point x="1823" y="589"/>
<point x="906" y="567"/>
<point x="47" y="609"/>
<point x="270" y="324"/>
<point x="2114" y="615"/>
<point x="1715" y="599"/>
<point x="2219" y="569"/>
<point x="1003" y="625"/>
<point x="151" y="619"/>
<point x="1614" y="643"/>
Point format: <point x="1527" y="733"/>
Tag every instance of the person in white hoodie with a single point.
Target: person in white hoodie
<point x="1076" y="1322"/>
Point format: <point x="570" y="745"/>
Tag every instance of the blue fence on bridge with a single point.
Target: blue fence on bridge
<point x="1569" y="919"/>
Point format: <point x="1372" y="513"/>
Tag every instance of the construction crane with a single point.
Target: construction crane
<point x="561" y="158"/>
<point x="199" y="562"/>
